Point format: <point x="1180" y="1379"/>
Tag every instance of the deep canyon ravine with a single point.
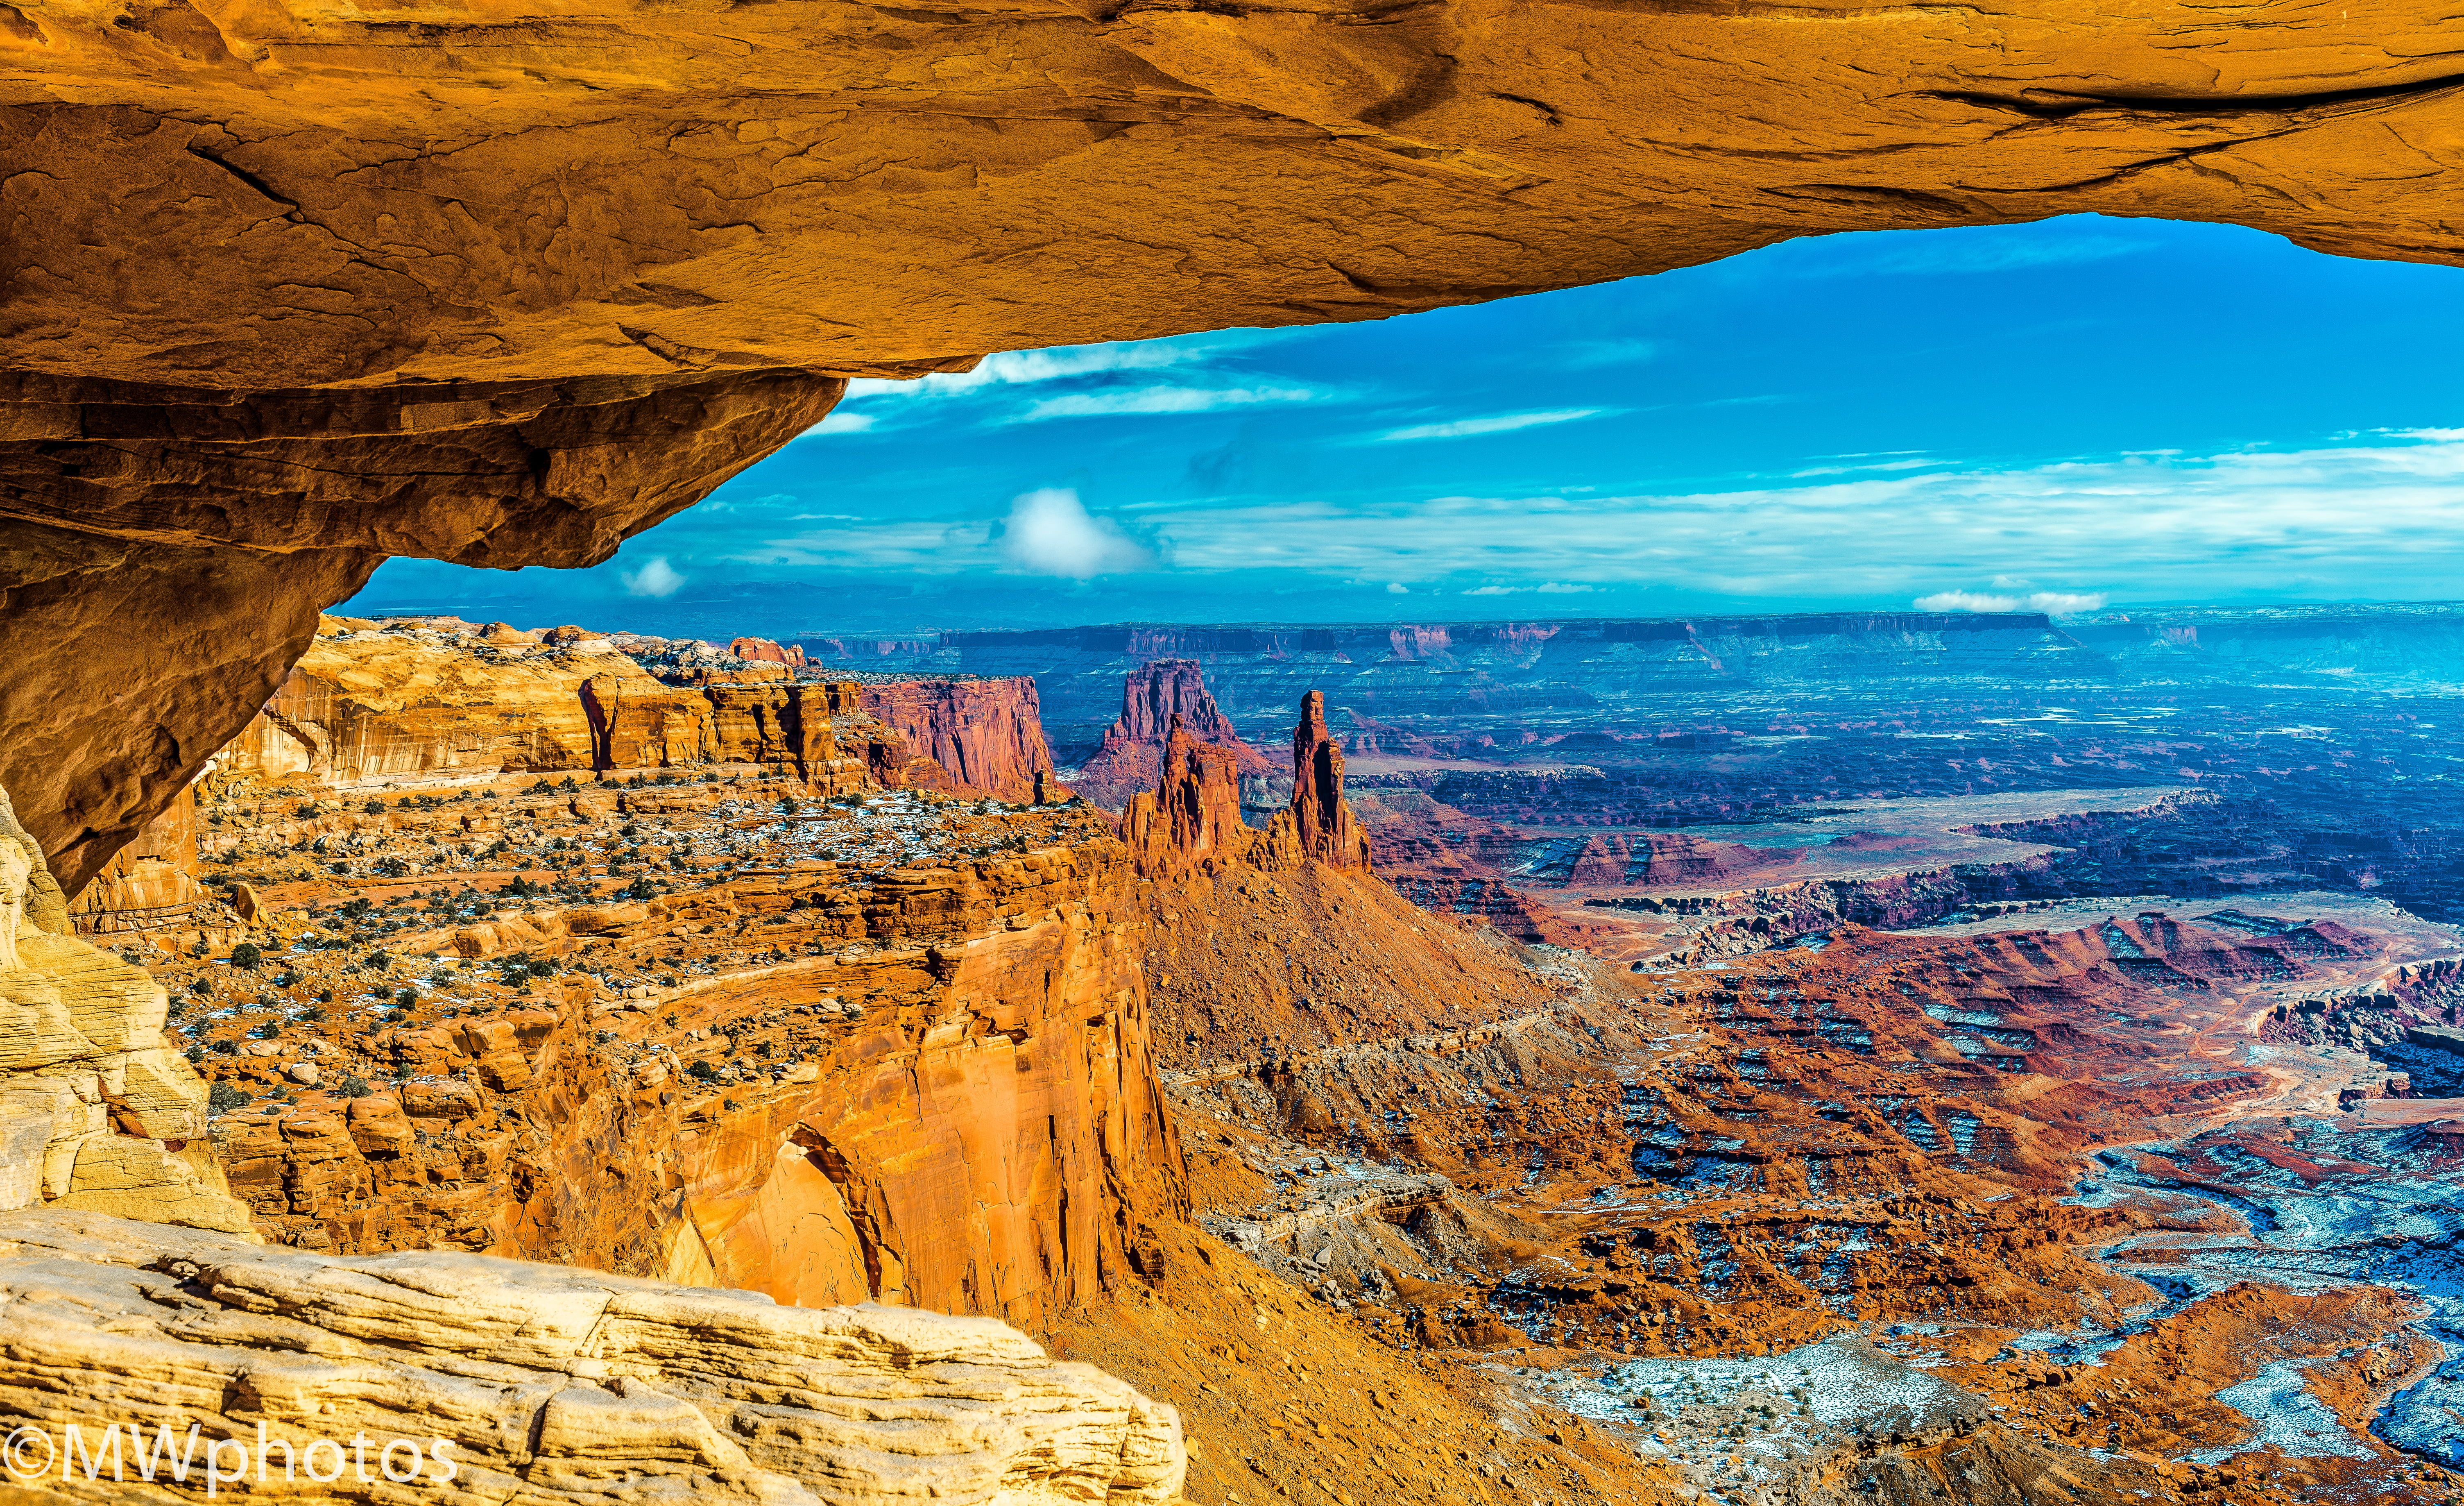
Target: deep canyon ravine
<point x="1995" y="1154"/>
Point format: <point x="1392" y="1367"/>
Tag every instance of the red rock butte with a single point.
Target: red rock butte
<point x="1160" y="696"/>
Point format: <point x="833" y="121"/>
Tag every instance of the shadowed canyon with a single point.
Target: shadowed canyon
<point x="1900" y="1056"/>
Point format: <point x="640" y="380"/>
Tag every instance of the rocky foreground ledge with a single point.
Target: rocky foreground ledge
<point x="457" y="1378"/>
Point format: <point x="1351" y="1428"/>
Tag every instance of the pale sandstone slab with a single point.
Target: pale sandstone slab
<point x="553" y="1384"/>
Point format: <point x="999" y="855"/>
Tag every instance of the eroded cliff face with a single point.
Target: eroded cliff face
<point x="942" y="1096"/>
<point x="378" y="707"/>
<point x="99" y="1111"/>
<point x="297" y="286"/>
<point x="987" y="733"/>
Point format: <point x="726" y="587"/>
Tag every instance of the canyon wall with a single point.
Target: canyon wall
<point x="987" y="733"/>
<point x="1480" y="688"/>
<point x="406" y="705"/>
<point x="99" y="1111"/>
<point x="963" y="1114"/>
<point x="150" y="884"/>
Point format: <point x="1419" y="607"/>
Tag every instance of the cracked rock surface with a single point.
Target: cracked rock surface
<point x="546" y="1384"/>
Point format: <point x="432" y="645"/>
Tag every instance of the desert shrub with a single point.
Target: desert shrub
<point x="246" y="955"/>
<point x="353" y="1086"/>
<point x="222" y="1097"/>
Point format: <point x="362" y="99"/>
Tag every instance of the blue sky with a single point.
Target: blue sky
<point x="2075" y="414"/>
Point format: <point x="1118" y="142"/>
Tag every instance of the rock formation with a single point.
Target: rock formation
<point x="149" y="885"/>
<point x="97" y="1110"/>
<point x="1157" y="697"/>
<point x="499" y="1380"/>
<point x="763" y="650"/>
<point x="1329" y="831"/>
<point x="987" y="733"/>
<point x="920" y="1074"/>
<point x="413" y="704"/>
<point x="1192" y="820"/>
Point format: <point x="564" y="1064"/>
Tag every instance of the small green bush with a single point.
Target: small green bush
<point x="222" y="1097"/>
<point x="353" y="1086"/>
<point x="246" y="955"/>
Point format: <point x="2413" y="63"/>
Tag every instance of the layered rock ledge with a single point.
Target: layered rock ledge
<point x="532" y="1383"/>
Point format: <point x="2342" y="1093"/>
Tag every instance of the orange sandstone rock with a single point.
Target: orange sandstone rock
<point x="1161" y="695"/>
<point x="987" y="733"/>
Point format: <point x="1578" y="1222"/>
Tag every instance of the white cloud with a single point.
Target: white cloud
<point x="1015" y="368"/>
<point x="1148" y="400"/>
<point x="2052" y="604"/>
<point x="1497" y="424"/>
<point x="840" y="422"/>
<point x="1397" y="588"/>
<point x="2151" y="525"/>
<point x="655" y="578"/>
<point x="1545" y="589"/>
<point x="1049" y="532"/>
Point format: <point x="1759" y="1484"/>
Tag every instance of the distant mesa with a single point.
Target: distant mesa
<point x="762" y="651"/>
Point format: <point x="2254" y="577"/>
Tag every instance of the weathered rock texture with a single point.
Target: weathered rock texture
<point x="150" y="884"/>
<point x="973" y="1122"/>
<point x="1191" y="822"/>
<point x="544" y="1385"/>
<point x="1328" y="830"/>
<point x="987" y="733"/>
<point x="98" y="1111"/>
<point x="1192" y="818"/>
<point x="293" y="286"/>
<point x="1157" y="697"/>
<point x="406" y="706"/>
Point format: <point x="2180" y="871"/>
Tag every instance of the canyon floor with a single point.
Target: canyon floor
<point x="1859" y="1151"/>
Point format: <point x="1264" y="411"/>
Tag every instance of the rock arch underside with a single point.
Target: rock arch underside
<point x="295" y="285"/>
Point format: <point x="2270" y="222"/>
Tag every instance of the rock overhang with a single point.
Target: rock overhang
<point x="297" y="286"/>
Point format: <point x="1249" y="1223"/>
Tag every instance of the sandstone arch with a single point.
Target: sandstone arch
<point x="296" y="285"/>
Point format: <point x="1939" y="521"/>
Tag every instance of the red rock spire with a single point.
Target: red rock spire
<point x="1193" y="818"/>
<point x="1328" y="830"/>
